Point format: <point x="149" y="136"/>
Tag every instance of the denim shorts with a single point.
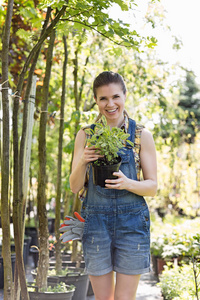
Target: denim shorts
<point x="117" y="240"/>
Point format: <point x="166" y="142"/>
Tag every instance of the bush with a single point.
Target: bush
<point x="170" y="241"/>
<point x="177" y="282"/>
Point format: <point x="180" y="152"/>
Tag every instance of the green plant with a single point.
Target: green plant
<point x="108" y="141"/>
<point x="177" y="282"/>
<point x="157" y="245"/>
<point x="63" y="272"/>
<point x="58" y="288"/>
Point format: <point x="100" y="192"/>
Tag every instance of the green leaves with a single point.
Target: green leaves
<point x="109" y="141"/>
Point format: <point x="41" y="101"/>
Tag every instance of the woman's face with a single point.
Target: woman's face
<point x="111" y="100"/>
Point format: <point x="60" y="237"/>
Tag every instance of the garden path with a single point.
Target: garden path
<point x="147" y="289"/>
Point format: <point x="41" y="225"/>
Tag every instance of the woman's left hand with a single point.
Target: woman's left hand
<point x="121" y="183"/>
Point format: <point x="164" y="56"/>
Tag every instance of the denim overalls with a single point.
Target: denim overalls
<point x="117" y="224"/>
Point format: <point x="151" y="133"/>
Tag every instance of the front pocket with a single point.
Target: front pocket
<point x="125" y="157"/>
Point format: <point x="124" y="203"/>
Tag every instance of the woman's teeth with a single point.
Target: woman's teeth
<point x="112" y="110"/>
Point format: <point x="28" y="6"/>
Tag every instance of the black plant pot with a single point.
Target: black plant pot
<point x="51" y="225"/>
<point x="32" y="232"/>
<point x="35" y="254"/>
<point x="50" y="295"/>
<point x="101" y="173"/>
<point x="27" y="240"/>
<point x="76" y="277"/>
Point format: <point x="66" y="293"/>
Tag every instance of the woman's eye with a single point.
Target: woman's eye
<point x="116" y="96"/>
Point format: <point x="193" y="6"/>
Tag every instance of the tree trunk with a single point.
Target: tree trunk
<point x="43" y="264"/>
<point x="59" y="167"/>
<point x="18" y="167"/>
<point x="20" y="205"/>
<point x="25" y="119"/>
<point x="5" y="215"/>
<point x="77" y="96"/>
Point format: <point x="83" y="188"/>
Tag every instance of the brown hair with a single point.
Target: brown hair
<point x="106" y="78"/>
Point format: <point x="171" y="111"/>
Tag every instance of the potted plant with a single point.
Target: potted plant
<point x="70" y="276"/>
<point x="60" y="291"/>
<point x="109" y="142"/>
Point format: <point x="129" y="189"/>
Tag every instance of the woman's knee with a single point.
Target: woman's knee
<point x="126" y="286"/>
<point x="125" y="296"/>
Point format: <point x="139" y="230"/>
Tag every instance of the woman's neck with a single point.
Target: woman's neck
<point x="116" y="123"/>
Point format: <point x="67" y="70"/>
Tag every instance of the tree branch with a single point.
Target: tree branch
<point x="93" y="28"/>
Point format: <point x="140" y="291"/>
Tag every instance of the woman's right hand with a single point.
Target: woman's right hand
<point x="90" y="154"/>
<point x="82" y="156"/>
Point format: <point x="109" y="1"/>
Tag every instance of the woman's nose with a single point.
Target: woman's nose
<point x="110" y="102"/>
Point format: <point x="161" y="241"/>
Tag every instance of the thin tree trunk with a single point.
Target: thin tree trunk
<point x="59" y="167"/>
<point x="43" y="264"/>
<point x="5" y="216"/>
<point x="77" y="96"/>
<point x="45" y="33"/>
<point x="19" y="206"/>
<point x="25" y="113"/>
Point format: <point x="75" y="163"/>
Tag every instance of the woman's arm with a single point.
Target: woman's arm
<point x="148" y="186"/>
<point x="82" y="156"/>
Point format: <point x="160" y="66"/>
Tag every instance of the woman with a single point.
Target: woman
<point x="116" y="234"/>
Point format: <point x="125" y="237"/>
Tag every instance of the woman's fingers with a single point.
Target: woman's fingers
<point x="91" y="154"/>
<point x="119" y="183"/>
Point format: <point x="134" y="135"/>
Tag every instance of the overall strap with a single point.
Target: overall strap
<point x="135" y="131"/>
<point x="137" y="148"/>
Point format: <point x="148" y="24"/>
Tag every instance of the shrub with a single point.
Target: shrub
<point x="177" y="282"/>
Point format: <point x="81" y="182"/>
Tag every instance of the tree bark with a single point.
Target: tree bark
<point x="43" y="264"/>
<point x="77" y="97"/>
<point x="5" y="214"/>
<point x="18" y="205"/>
<point x="59" y="166"/>
<point x="25" y="115"/>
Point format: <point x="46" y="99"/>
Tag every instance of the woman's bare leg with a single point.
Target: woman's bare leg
<point x="103" y="286"/>
<point x="126" y="286"/>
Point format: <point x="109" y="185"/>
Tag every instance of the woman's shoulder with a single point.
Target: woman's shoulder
<point x="146" y="138"/>
<point x="80" y="137"/>
<point x="83" y="134"/>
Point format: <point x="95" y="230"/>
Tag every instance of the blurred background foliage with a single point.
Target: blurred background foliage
<point x="163" y="97"/>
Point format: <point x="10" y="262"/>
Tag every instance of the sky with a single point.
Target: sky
<point x="183" y="18"/>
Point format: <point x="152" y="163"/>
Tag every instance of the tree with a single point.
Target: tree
<point x="5" y="216"/>
<point x="43" y="263"/>
<point x="189" y="101"/>
<point x="59" y="165"/>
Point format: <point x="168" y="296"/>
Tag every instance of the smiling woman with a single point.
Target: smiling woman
<point x="116" y="232"/>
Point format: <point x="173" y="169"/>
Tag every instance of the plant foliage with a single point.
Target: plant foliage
<point x="108" y="141"/>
